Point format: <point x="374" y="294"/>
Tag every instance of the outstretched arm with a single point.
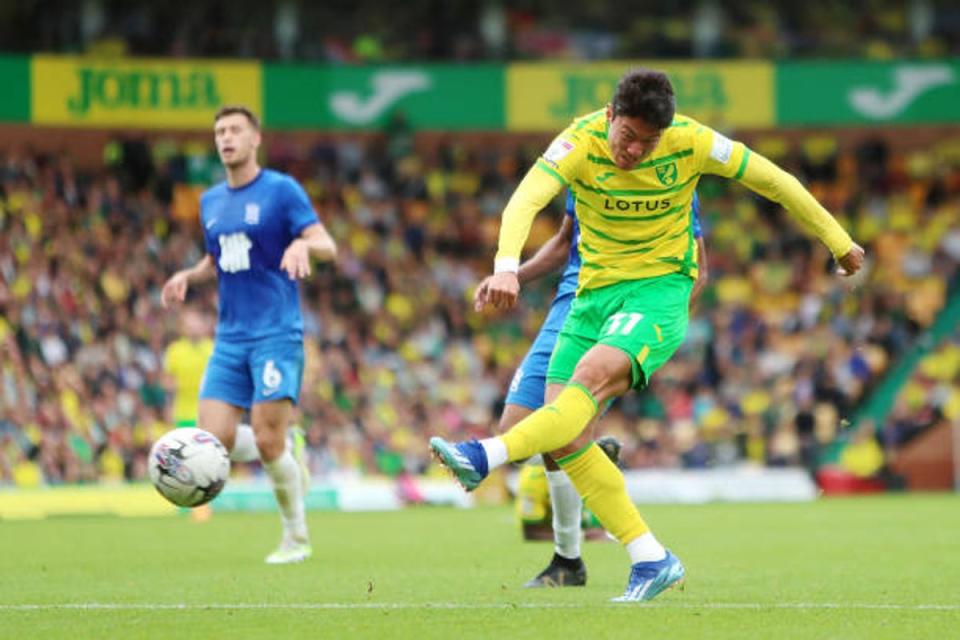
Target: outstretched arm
<point x="175" y="289"/>
<point x="313" y="241"/>
<point x="766" y="178"/>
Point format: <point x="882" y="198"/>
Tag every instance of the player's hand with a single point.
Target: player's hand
<point x="174" y="289"/>
<point x="481" y="293"/>
<point x="851" y="262"/>
<point x="500" y="290"/>
<point x="296" y="260"/>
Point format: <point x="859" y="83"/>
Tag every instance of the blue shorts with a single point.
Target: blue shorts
<point x="245" y="373"/>
<point x="529" y="383"/>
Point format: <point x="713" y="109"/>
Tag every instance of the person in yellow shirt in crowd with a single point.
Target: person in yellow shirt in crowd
<point x="633" y="168"/>
<point x="863" y="457"/>
<point x="184" y="362"/>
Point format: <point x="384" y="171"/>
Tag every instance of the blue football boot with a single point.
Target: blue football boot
<point x="467" y="460"/>
<point x="650" y="579"/>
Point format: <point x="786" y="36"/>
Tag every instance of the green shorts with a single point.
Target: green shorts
<point x="180" y="424"/>
<point x="646" y="319"/>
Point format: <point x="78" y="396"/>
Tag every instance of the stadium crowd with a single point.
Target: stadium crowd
<point x="368" y="31"/>
<point x="779" y="351"/>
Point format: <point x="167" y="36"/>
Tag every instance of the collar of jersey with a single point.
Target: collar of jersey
<point x="244" y="186"/>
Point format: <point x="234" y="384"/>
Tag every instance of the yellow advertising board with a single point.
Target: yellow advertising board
<point x="141" y="93"/>
<point x="546" y="97"/>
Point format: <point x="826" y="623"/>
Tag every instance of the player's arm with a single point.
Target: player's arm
<point x="551" y="256"/>
<point x="314" y="241"/>
<point x="542" y="183"/>
<point x="175" y="289"/>
<point x="702" y="274"/>
<point x="760" y="175"/>
<point x="702" y="269"/>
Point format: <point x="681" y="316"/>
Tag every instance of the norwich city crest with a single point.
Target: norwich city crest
<point x="667" y="173"/>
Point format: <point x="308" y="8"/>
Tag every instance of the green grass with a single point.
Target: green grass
<point x="852" y="568"/>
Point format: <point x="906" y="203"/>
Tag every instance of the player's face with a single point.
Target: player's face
<point x="237" y="140"/>
<point x="630" y="139"/>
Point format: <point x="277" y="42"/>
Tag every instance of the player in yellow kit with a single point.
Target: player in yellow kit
<point x="633" y="167"/>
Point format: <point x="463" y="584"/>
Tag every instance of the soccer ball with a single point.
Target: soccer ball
<point x="189" y="466"/>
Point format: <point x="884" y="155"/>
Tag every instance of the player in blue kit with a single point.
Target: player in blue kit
<point x="260" y="231"/>
<point x="527" y="389"/>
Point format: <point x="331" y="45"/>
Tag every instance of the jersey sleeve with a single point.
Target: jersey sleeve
<point x="719" y="155"/>
<point x="556" y="168"/>
<point x="564" y="157"/>
<point x="300" y="213"/>
<point x="208" y="241"/>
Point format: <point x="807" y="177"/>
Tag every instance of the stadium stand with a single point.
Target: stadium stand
<point x="779" y="356"/>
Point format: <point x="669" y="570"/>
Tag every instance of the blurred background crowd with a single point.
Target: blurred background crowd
<point x="780" y="351"/>
<point x="472" y="30"/>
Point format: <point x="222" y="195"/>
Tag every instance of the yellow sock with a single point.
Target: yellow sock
<point x="604" y="492"/>
<point x="553" y="426"/>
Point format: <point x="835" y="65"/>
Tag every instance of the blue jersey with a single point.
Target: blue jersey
<point x="246" y="230"/>
<point x="568" y="281"/>
<point x="695" y="207"/>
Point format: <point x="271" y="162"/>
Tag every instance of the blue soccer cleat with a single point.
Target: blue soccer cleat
<point x="650" y="579"/>
<point x="467" y="460"/>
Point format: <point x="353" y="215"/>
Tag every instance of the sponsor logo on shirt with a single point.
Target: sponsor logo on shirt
<point x="252" y="213"/>
<point x="558" y="150"/>
<point x="722" y="148"/>
<point x="612" y="204"/>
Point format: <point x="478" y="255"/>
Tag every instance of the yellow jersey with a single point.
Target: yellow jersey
<point x="637" y="223"/>
<point x="185" y="361"/>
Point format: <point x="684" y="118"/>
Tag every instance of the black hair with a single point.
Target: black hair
<point x="645" y="94"/>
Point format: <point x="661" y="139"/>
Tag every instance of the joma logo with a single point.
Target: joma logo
<point x="143" y="89"/>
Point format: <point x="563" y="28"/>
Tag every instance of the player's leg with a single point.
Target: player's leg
<point x="566" y="567"/>
<point x="634" y="342"/>
<point x="245" y="443"/>
<point x="225" y="393"/>
<point x="633" y="324"/>
<point x="524" y="396"/>
<point x="546" y="429"/>
<point x="601" y="484"/>
<point x="277" y="371"/>
<point x="219" y="418"/>
<point x="527" y="393"/>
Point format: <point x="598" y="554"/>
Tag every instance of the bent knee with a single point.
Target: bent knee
<point x="270" y="445"/>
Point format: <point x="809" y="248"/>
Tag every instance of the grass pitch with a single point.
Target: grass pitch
<point x="886" y="567"/>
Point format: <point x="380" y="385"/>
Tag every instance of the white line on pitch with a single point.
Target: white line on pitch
<point x="116" y="606"/>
